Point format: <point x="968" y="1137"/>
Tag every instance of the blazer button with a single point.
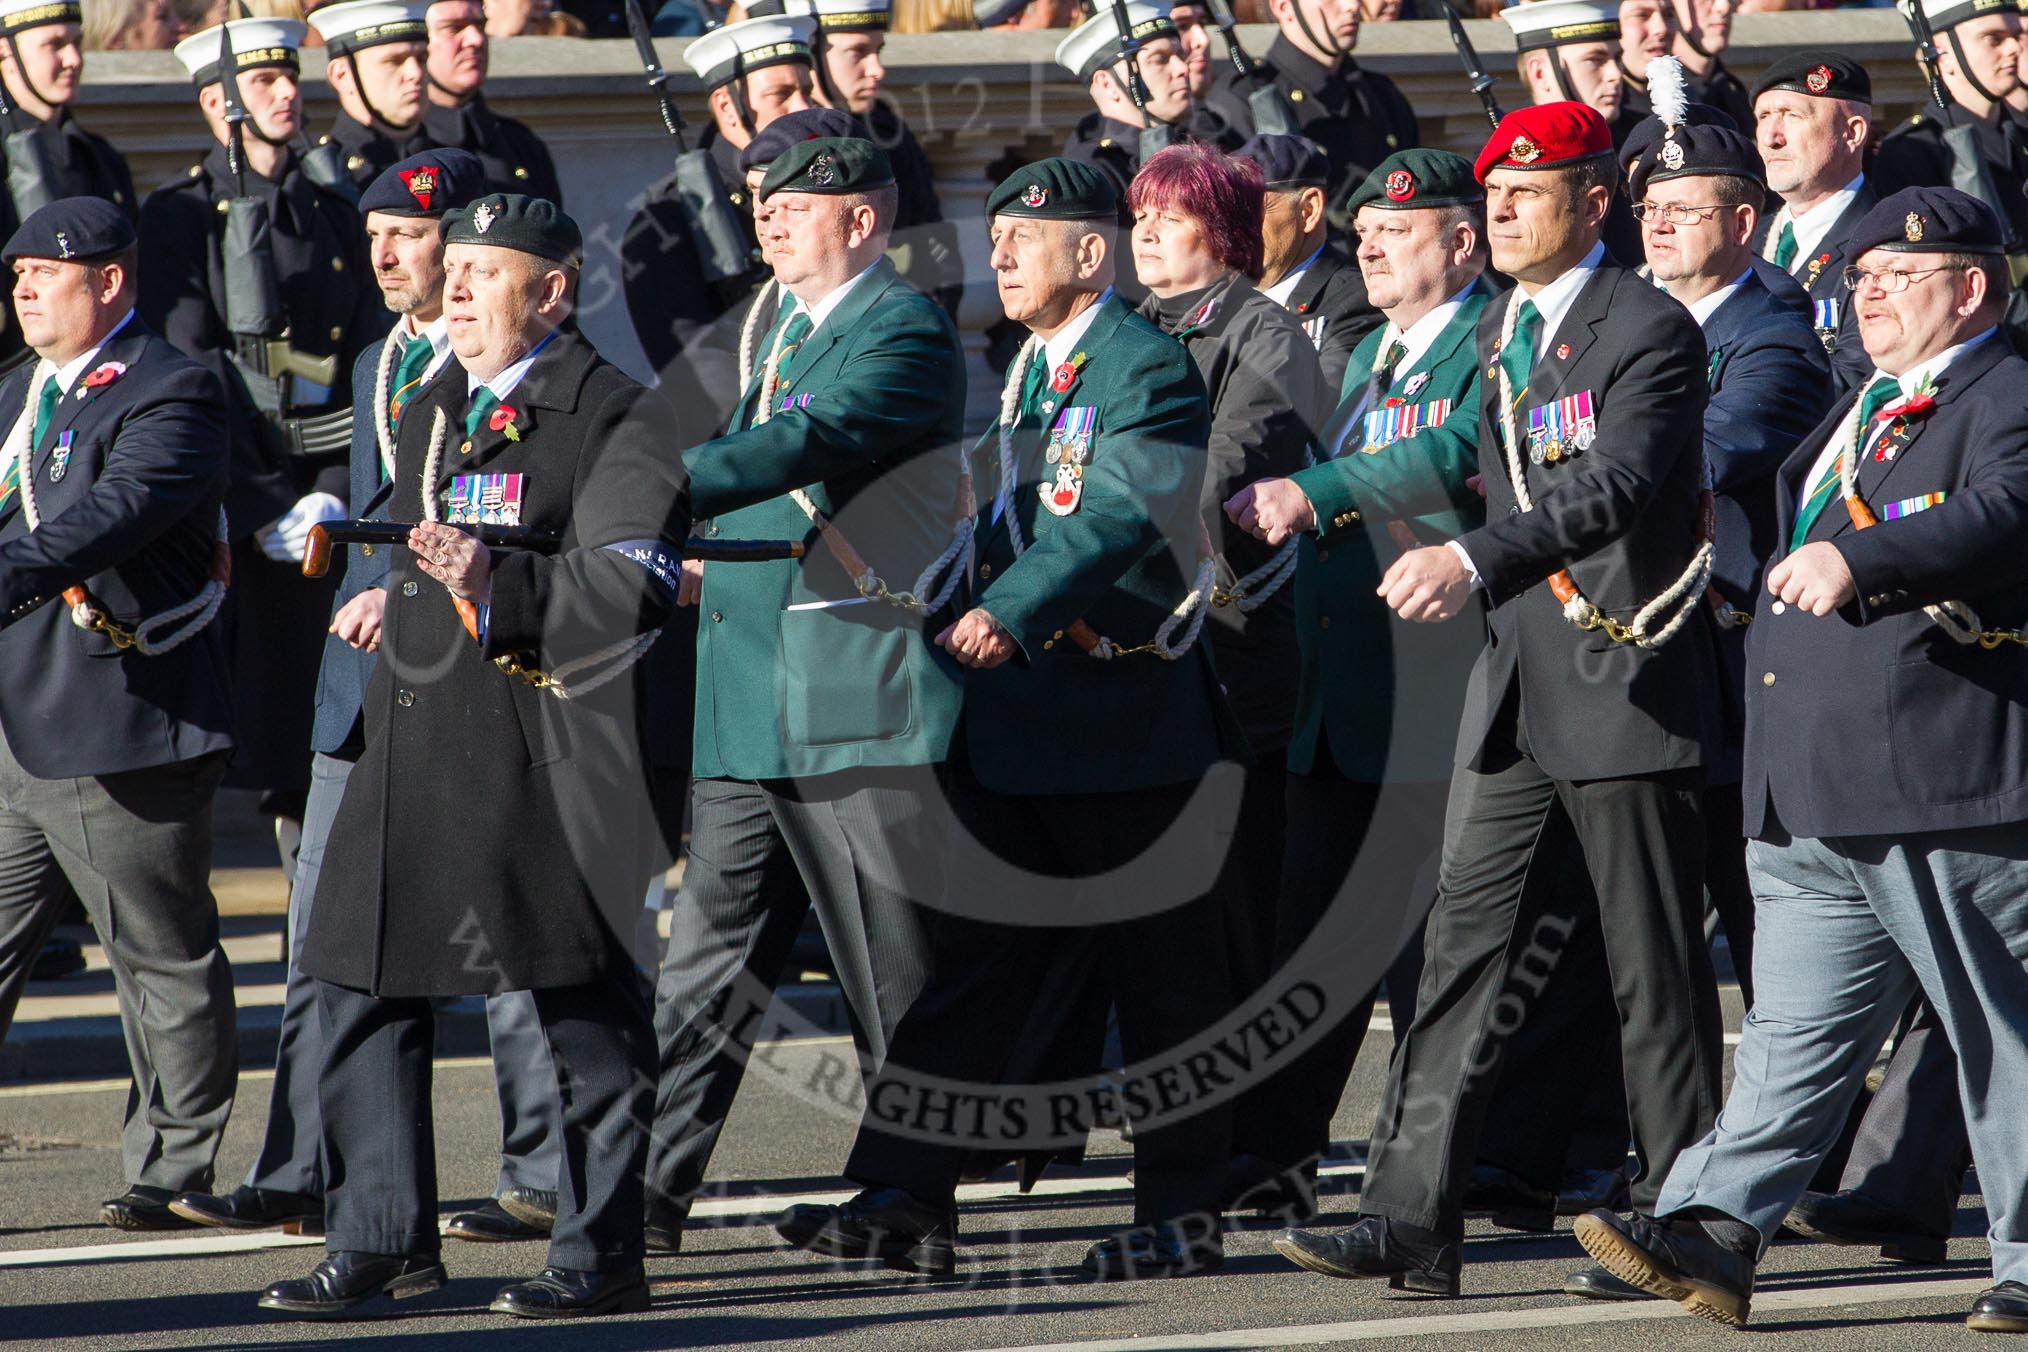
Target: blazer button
<point x="408" y="589"/>
<point x="1354" y="515"/>
<point x="718" y="617"/>
<point x="1049" y="643"/>
<point x="985" y="570"/>
<point x="404" y="698"/>
<point x="1767" y="679"/>
<point x="367" y="550"/>
<point x="1779" y="607"/>
<point x="1057" y="634"/>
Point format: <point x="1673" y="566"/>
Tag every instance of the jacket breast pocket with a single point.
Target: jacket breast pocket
<point x="1970" y="702"/>
<point x="844" y="674"/>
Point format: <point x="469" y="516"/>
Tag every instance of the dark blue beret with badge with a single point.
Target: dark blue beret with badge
<point x="1649" y="131"/>
<point x="832" y="165"/>
<point x="426" y="184"/>
<point x="1056" y="189"/>
<point x="74" y="229"/>
<point x="1823" y="75"/>
<point x="1286" y="160"/>
<point x="806" y="125"/>
<point x="1696" y="152"/>
<point x="506" y="220"/>
<point x="1928" y="220"/>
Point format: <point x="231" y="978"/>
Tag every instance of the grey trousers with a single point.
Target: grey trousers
<point x="135" y="848"/>
<point x="530" y="1144"/>
<point x="1847" y="930"/>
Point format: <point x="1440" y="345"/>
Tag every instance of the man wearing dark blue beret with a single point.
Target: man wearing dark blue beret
<point x="112" y="679"/>
<point x="498" y="828"/>
<point x="1886" y="773"/>
<point x="1302" y="266"/>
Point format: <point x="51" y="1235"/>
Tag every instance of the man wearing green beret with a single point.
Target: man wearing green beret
<point x="1378" y="698"/>
<point x="500" y="826"/>
<point x="823" y="709"/>
<point x="1091" y="718"/>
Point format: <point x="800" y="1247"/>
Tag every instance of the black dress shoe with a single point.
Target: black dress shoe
<point x="141" y="1207"/>
<point x="1154" y="1251"/>
<point x="246" y="1208"/>
<point x="662" y="1231"/>
<point x="2000" y="1309"/>
<point x="1260" y="1187"/>
<point x="1410" y="1258"/>
<point x="530" y="1206"/>
<point x="60" y="956"/>
<point x="1595" y="1283"/>
<point x="1509" y="1200"/>
<point x="884" y="1223"/>
<point x="1582" y="1190"/>
<point x="1674" y="1260"/>
<point x="490" y="1223"/>
<point x="344" y="1281"/>
<point x="1853" y="1218"/>
<point x="565" y="1293"/>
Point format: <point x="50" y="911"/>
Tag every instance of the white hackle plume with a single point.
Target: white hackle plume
<point x="1668" y="91"/>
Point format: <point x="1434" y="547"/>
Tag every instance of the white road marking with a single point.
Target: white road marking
<point x="1832" y="1297"/>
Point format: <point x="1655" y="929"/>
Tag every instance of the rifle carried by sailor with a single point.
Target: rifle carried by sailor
<point x="1273" y="114"/>
<point x="31" y="173"/>
<point x="1970" y="173"/>
<point x="1156" y="135"/>
<point x="723" y="248"/>
<point x="1475" y="69"/>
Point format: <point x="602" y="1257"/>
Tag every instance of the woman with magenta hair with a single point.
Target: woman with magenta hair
<point x="1196" y="247"/>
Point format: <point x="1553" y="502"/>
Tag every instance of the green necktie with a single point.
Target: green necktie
<point x="1785" y="246"/>
<point x="1877" y="394"/>
<point x="484" y="401"/>
<point x="1517" y="359"/>
<point x="793" y="333"/>
<point x="408" y="373"/>
<point x="1032" y="386"/>
<point x="45" y="405"/>
<point x="1383" y="374"/>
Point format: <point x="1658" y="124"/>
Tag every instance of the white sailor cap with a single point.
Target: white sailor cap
<point x="724" y="54"/>
<point x="358" y="24"/>
<point x="255" y="43"/>
<point x="1095" y="43"/>
<point x="16" y="15"/>
<point x="1950" y="13"/>
<point x="1561" y="23"/>
<point x="832" y="16"/>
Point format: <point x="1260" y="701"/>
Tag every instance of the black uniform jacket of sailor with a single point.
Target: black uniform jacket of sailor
<point x="127" y="480"/>
<point x="1621" y="515"/>
<point x="1871" y="720"/>
<point x="495" y="835"/>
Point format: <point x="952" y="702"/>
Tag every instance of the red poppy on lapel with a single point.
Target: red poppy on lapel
<point x="503" y="421"/>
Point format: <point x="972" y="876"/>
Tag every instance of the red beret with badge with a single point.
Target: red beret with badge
<point x="1545" y="136"/>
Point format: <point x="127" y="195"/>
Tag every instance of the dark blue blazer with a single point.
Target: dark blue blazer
<point x="1871" y="721"/>
<point x="132" y="512"/>
<point x="341" y="680"/>
<point x="1770" y="384"/>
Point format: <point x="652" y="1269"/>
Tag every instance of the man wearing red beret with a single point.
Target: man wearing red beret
<point x="1588" y="713"/>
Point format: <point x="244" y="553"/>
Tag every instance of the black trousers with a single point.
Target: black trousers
<point x="861" y="846"/>
<point x="1725" y="880"/>
<point x="1163" y="968"/>
<point x="1911" y="1150"/>
<point x="1506" y="828"/>
<point x="380" y="1172"/>
<point x="1332" y="859"/>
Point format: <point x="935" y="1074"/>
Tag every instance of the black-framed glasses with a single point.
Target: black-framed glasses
<point x="1675" y="213"/>
<point x="1891" y="281"/>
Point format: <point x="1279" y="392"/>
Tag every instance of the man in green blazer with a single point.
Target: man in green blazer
<point x="1091" y="718"/>
<point x="1378" y="698"/>
<point x="823" y="709"/>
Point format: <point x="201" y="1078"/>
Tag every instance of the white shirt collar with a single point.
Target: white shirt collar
<point x="1704" y="307"/>
<point x="1814" y="224"/>
<point x="1416" y="339"/>
<point x="1280" y="292"/>
<point x="503" y="384"/>
<point x="822" y="309"/>
<point x="1934" y="367"/>
<point x="1058" y="350"/>
<point x="67" y="374"/>
<point x="1553" y="301"/>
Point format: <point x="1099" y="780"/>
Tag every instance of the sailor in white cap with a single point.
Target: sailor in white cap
<point x="1109" y="138"/>
<point x="1569" y="49"/>
<point x="377" y="51"/>
<point x="756" y="71"/>
<point x="41" y="65"/>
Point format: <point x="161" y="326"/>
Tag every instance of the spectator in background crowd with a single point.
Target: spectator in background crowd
<point x="518" y="18"/>
<point x="132" y="25"/>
